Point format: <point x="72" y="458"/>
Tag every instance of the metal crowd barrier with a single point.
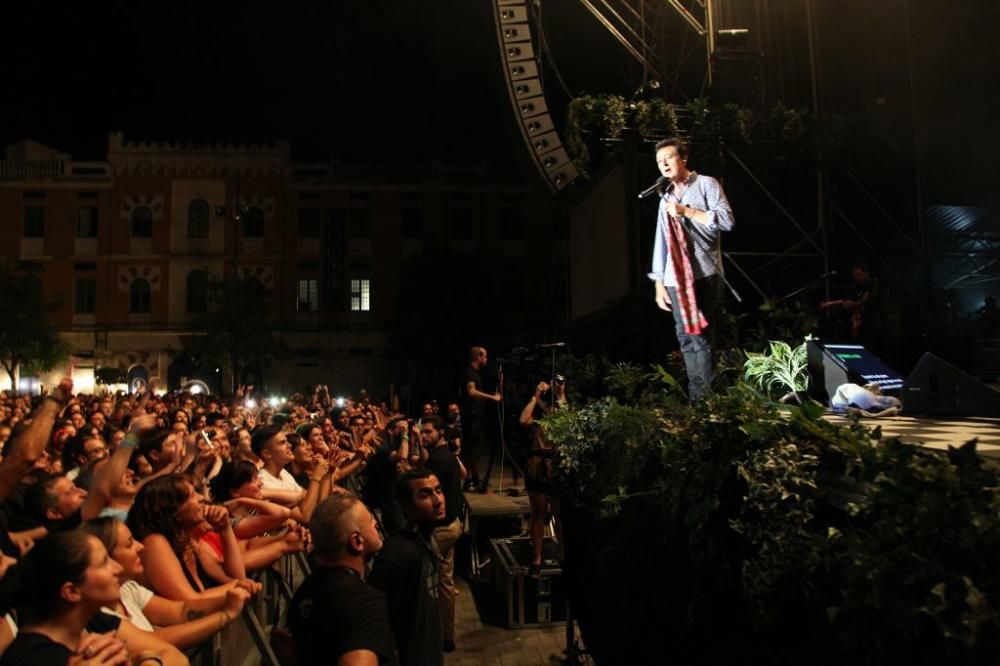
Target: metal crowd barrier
<point x="248" y="643"/>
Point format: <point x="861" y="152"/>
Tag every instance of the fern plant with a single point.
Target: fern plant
<point x="780" y="369"/>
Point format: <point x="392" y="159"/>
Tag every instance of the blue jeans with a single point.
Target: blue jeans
<point x="697" y="349"/>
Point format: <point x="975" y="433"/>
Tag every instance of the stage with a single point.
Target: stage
<point x="937" y="433"/>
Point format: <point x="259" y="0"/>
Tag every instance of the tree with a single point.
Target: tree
<point x="28" y="340"/>
<point x="237" y="329"/>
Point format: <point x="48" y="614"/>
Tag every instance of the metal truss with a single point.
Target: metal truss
<point x="636" y="24"/>
<point x="639" y="26"/>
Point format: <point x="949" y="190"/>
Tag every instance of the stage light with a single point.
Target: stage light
<point x="195" y="389"/>
<point x="341" y="402"/>
<point x="250" y="403"/>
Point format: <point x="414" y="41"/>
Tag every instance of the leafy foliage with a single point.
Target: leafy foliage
<point x="237" y="327"/>
<point x="28" y="340"/>
<point x="594" y="120"/>
<point x="795" y="539"/>
<point x="782" y="370"/>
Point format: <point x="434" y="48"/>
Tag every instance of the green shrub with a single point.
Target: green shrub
<point x="773" y="529"/>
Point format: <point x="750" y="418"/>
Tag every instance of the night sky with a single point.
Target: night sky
<point x="402" y="80"/>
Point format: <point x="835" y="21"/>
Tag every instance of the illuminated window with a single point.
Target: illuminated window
<point x="308" y="295"/>
<point x="361" y="295"/>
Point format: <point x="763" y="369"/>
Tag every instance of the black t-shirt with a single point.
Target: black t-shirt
<point x="473" y="407"/>
<point x="406" y="571"/>
<point x="335" y="612"/>
<point x="381" y="478"/>
<point x="40" y="650"/>
<point x="444" y="464"/>
<point x="32" y="648"/>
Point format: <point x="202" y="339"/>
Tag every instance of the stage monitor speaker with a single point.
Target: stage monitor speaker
<point x="937" y="388"/>
<point x="833" y="364"/>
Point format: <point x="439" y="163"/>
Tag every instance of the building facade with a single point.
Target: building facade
<point x="351" y="256"/>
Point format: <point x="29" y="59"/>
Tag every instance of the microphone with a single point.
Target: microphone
<point x="551" y="345"/>
<point x="655" y="187"/>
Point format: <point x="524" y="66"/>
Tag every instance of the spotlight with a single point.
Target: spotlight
<point x="250" y="403"/>
<point x="341" y="402"/>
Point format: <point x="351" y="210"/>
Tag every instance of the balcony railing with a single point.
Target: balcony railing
<point x="30" y="169"/>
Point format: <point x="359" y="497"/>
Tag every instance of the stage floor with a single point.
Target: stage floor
<point x="937" y="433"/>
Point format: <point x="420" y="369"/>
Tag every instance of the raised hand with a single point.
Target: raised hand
<point x="217" y="516"/>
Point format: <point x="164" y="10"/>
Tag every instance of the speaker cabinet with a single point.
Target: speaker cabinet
<point x="524" y="88"/>
<point x="937" y="388"/>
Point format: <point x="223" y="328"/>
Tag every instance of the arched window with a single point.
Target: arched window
<point x="253" y="223"/>
<point x="197" y="292"/>
<point x="142" y="222"/>
<point x="139" y="300"/>
<point x="198" y="219"/>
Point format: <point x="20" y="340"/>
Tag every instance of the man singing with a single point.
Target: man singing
<point x="687" y="260"/>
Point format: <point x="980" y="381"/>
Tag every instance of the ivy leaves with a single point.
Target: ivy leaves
<point x="881" y="552"/>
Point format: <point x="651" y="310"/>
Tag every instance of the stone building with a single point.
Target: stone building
<point x="128" y="247"/>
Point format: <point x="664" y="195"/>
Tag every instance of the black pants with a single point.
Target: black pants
<point x="473" y="437"/>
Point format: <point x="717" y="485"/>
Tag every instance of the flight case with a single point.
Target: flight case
<point x="528" y="601"/>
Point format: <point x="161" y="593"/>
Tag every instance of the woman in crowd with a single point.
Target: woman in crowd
<point x="165" y="518"/>
<point x="238" y="488"/>
<point x="181" y="623"/>
<point x="57" y="591"/>
<point x="538" y="471"/>
<point x="239" y="443"/>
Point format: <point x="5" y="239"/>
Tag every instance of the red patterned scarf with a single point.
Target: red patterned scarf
<point x="691" y="315"/>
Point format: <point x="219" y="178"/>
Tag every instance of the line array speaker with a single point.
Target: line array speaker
<point x="524" y="87"/>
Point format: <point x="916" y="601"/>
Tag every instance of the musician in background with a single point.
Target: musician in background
<point x="862" y="307"/>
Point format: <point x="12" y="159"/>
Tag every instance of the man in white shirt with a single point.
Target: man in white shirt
<point x="270" y="444"/>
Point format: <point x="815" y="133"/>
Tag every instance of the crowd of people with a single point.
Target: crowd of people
<point x="133" y="525"/>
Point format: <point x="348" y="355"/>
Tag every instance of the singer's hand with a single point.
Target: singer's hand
<point x="662" y="298"/>
<point x="676" y="210"/>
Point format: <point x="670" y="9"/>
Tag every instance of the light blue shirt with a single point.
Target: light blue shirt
<point x="702" y="193"/>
